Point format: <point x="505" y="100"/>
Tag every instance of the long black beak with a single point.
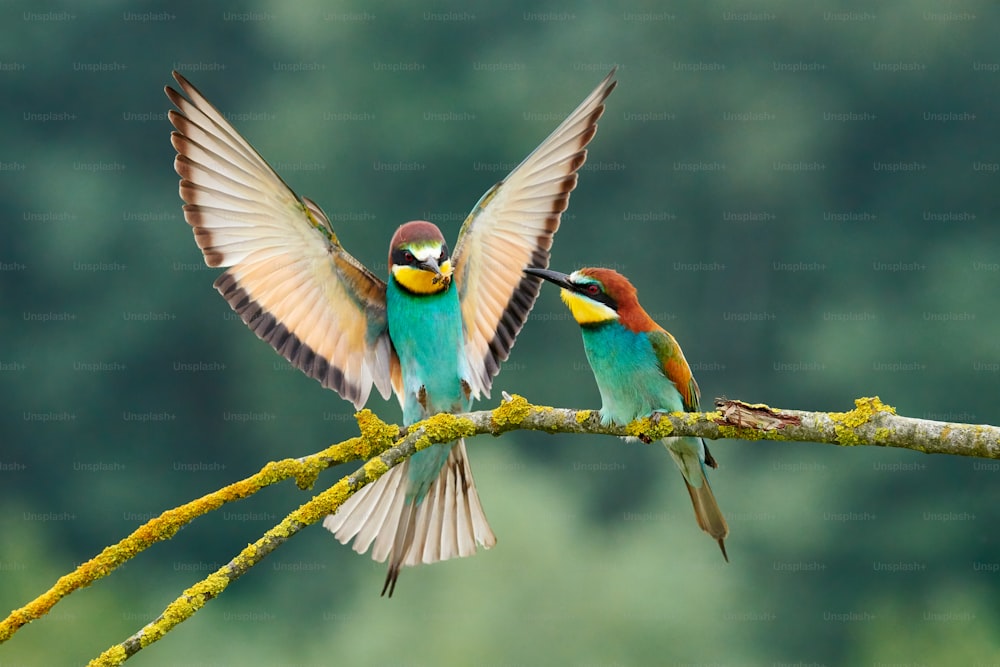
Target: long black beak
<point x="560" y="279"/>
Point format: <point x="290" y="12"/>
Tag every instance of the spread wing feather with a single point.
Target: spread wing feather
<point x="289" y="278"/>
<point x="510" y="229"/>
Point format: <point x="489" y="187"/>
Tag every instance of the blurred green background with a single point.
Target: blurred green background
<point x="805" y="195"/>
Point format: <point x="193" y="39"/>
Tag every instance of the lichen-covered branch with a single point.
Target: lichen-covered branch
<point x="376" y="437"/>
<point x="163" y="527"/>
<point x="871" y="422"/>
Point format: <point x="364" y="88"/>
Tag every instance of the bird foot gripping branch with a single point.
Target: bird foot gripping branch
<point x="650" y="429"/>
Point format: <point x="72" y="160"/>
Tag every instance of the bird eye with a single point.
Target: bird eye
<point x="593" y="289"/>
<point x="407" y="256"/>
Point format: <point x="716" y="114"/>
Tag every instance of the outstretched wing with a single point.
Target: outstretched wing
<point x="289" y="278"/>
<point x="676" y="368"/>
<point x="510" y="229"/>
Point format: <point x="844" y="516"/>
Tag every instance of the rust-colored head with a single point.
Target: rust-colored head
<point x="596" y="295"/>
<point x="414" y="233"/>
<point x="418" y="258"/>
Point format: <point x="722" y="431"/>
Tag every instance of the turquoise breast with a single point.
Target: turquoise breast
<point x="628" y="373"/>
<point x="426" y="331"/>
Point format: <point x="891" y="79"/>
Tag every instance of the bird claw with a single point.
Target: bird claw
<point x="654" y="420"/>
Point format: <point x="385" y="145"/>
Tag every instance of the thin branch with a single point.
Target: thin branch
<point x="163" y="527"/>
<point x="195" y="597"/>
<point x="871" y="422"/>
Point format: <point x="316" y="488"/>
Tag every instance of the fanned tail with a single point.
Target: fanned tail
<point x="447" y="523"/>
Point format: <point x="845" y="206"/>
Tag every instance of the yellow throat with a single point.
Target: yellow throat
<point x="421" y="281"/>
<point x="586" y="311"/>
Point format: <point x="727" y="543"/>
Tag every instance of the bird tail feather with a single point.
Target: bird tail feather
<point x="448" y="522"/>
<point x="706" y="509"/>
<point x="708" y="514"/>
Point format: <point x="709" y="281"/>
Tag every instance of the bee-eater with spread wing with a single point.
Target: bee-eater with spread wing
<point x="435" y="333"/>
<point x="639" y="369"/>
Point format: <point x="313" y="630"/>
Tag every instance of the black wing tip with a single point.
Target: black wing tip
<point x="514" y="316"/>
<point x="194" y="98"/>
<point x="609" y="88"/>
<point x="709" y="459"/>
<point x="203" y="236"/>
<point x="182" y="81"/>
<point x="606" y="86"/>
<point x="176" y="96"/>
<point x="284" y="341"/>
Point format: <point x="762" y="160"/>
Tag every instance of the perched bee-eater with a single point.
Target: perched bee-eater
<point x="639" y="369"/>
<point x="435" y="333"/>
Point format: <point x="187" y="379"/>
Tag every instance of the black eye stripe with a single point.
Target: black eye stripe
<point x="402" y="257"/>
<point x="405" y="257"/>
<point x="598" y="294"/>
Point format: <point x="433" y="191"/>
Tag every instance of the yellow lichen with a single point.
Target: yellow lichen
<point x="307" y="474"/>
<point x="423" y="442"/>
<point x="375" y="469"/>
<point x="512" y="412"/>
<point x="376" y="435"/>
<point x="845" y="423"/>
<point x="335" y="496"/>
<point x="878" y="405"/>
<point x="846" y="436"/>
<point x="115" y="655"/>
<point x="582" y="416"/>
<point x="445" y="427"/>
<point x="644" y="428"/>
<point x="640" y="428"/>
<point x="864" y="409"/>
<point x="249" y="553"/>
<point x="882" y="435"/>
<point x="322" y="505"/>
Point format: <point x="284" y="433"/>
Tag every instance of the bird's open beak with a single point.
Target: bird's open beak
<point x="432" y="265"/>
<point x="560" y="279"/>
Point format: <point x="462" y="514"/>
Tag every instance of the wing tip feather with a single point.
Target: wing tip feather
<point x="286" y="342"/>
